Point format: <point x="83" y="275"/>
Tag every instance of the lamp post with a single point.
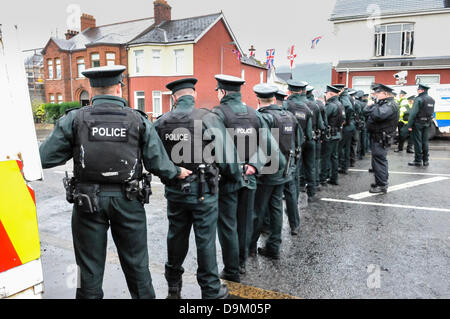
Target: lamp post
<point x="221" y="55"/>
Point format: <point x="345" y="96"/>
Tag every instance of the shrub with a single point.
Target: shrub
<point x="54" y="111"/>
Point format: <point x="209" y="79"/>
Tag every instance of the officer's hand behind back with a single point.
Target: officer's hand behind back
<point x="184" y="173"/>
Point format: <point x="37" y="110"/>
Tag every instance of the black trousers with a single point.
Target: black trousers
<point x="379" y="162"/>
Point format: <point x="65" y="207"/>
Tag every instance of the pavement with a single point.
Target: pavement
<point x="391" y="246"/>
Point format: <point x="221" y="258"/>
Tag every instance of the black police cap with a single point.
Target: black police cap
<point x="423" y="87"/>
<point x="105" y="76"/>
<point x="333" y="89"/>
<point x="412" y="97"/>
<point x="187" y="83"/>
<point x="281" y="95"/>
<point x="339" y="86"/>
<point x="229" y="83"/>
<point x="265" y="90"/>
<point x="382" y="88"/>
<point x="403" y="92"/>
<point x="295" y="85"/>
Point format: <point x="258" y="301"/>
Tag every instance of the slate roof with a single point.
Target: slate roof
<point x="174" y="31"/>
<point x="352" y="9"/>
<point x="111" y="34"/>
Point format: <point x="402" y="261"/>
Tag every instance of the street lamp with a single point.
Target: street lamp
<point x="221" y="55"/>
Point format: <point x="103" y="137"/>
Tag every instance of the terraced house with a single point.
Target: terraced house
<point x="381" y="38"/>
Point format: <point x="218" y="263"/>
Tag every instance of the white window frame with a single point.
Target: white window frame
<point x="58" y="68"/>
<point x="51" y="74"/>
<point x="139" y="61"/>
<point x="80" y="62"/>
<point x="59" y="97"/>
<point x="92" y="59"/>
<point x="110" y="57"/>
<point x="52" y="98"/>
<point x="418" y="76"/>
<point x="404" y="51"/>
<point x="156" y="61"/>
<point x="137" y="98"/>
<point x="155" y="96"/>
<point x="179" y="68"/>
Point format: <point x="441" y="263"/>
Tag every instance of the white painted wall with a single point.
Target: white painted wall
<point x="356" y="40"/>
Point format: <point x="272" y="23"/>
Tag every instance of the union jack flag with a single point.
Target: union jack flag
<point x="238" y="54"/>
<point x="270" y="58"/>
<point x="315" y="42"/>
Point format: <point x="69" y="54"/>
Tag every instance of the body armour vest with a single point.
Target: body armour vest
<point x="107" y="144"/>
<point x="337" y="118"/>
<point x="287" y="128"/>
<point x="389" y="125"/>
<point x="426" y="112"/>
<point x="182" y="137"/>
<point x="315" y="114"/>
<point x="301" y="112"/>
<point x="244" y="128"/>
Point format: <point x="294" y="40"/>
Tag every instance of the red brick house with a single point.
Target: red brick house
<point x="65" y="59"/>
<point x="198" y="47"/>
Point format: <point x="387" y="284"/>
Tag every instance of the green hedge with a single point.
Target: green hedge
<point x="54" y="111"/>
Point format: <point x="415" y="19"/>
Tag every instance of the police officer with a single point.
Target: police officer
<point x="349" y="128"/>
<point x="318" y="109"/>
<point x="335" y="114"/>
<point x="419" y="124"/>
<point x="360" y="124"/>
<point x="291" y="193"/>
<point x="109" y="143"/>
<point x="236" y="198"/>
<point x="296" y="103"/>
<point x="382" y="122"/>
<point x="356" y="133"/>
<point x="403" y="121"/>
<point x="269" y="194"/>
<point x="193" y="202"/>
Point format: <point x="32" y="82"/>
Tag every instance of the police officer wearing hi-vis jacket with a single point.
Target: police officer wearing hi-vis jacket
<point x="110" y="144"/>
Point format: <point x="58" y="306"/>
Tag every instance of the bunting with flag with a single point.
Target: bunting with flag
<point x="315" y="42"/>
<point x="291" y="55"/>
<point x="270" y="58"/>
<point x="238" y="54"/>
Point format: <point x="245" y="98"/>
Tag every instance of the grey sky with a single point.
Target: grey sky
<point x="265" y="24"/>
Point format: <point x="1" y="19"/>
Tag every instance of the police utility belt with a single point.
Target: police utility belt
<point x="383" y="138"/>
<point x="85" y="196"/>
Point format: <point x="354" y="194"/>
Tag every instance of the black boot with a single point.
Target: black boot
<point x="266" y="253"/>
<point x="175" y="291"/>
<point x="223" y="292"/>
<point x="415" y="164"/>
<point x="378" y="190"/>
<point x="230" y="277"/>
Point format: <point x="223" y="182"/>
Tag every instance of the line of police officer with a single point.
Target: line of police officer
<point x="233" y="168"/>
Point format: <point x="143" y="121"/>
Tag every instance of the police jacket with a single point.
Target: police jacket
<point x="272" y="116"/>
<point x="322" y="110"/>
<point x="319" y="124"/>
<point x="335" y="116"/>
<point x="422" y="111"/>
<point x="307" y="122"/>
<point x="233" y="103"/>
<point x="349" y="111"/>
<point x="210" y="132"/>
<point x="383" y="116"/>
<point x="61" y="146"/>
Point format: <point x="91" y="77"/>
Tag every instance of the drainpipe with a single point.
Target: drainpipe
<point x="71" y="86"/>
<point x="346" y="81"/>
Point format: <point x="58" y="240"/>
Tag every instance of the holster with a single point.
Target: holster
<point x="86" y="198"/>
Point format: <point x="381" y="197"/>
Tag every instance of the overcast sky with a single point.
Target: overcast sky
<point x="265" y="24"/>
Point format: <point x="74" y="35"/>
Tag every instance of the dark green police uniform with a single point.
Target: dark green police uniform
<point x="335" y="114"/>
<point x="193" y="202"/>
<point x="269" y="194"/>
<point x="420" y="121"/>
<point x="126" y="217"/>
<point x="236" y="199"/>
<point x="360" y="124"/>
<point x="347" y="132"/>
<point x="381" y="124"/>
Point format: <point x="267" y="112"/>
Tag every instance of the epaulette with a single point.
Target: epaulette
<point x="142" y="113"/>
<point x="72" y="109"/>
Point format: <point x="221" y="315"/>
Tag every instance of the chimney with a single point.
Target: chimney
<point x="163" y="12"/>
<point x="87" y="21"/>
<point x="70" y="34"/>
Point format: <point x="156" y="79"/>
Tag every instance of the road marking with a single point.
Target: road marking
<point x="385" y="205"/>
<point x="401" y="186"/>
<point x="401" y="173"/>
<point x="249" y="292"/>
<point x="440" y="159"/>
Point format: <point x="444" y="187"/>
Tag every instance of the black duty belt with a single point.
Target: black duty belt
<point x="111" y="187"/>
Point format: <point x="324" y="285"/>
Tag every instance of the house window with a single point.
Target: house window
<point x="81" y="67"/>
<point x="363" y="83"/>
<point x="394" y="39"/>
<point x="60" y="98"/>
<point x="139" y="100"/>
<point x="429" y="79"/>
<point x="58" y="68"/>
<point x="50" y="69"/>
<point x="52" y="98"/>
<point x="139" y="61"/>
<point x="179" y="61"/>
<point x="157" y="103"/>
<point x="110" y="59"/>
<point x="156" y="61"/>
<point x="95" y="59"/>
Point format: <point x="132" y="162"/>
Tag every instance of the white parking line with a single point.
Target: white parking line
<point x="401" y="173"/>
<point x="401" y="186"/>
<point x="385" y="205"/>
